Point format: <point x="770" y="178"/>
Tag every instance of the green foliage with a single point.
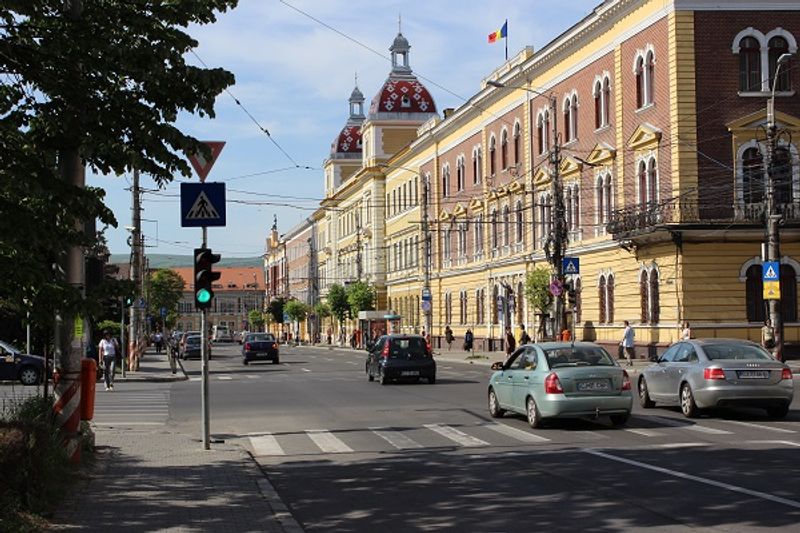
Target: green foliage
<point x="296" y="310"/>
<point x="256" y="320"/>
<point x="537" y="291"/>
<point x="322" y="310"/>
<point x="109" y="325"/>
<point x="166" y="288"/>
<point x="361" y="297"/>
<point x="275" y="310"/>
<point x="337" y="300"/>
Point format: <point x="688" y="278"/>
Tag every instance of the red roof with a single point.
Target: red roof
<point x="232" y="279"/>
<point x="348" y="141"/>
<point x="405" y="95"/>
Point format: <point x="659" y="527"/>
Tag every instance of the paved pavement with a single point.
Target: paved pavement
<point x="147" y="477"/>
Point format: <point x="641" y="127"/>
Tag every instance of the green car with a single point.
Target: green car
<point x="560" y="380"/>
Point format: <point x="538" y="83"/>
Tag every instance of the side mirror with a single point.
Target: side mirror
<point x="497" y="366"/>
<point x="655" y="359"/>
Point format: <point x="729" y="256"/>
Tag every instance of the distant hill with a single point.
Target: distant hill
<point x="170" y="261"/>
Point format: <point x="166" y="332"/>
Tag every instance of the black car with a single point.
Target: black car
<point x="400" y="357"/>
<point x="191" y="347"/>
<point x="27" y="368"/>
<point x="260" y="346"/>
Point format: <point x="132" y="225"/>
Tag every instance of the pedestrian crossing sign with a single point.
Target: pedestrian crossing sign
<point x="571" y="266"/>
<point x="772" y="290"/>
<point x="771" y="271"/>
<point x="202" y="204"/>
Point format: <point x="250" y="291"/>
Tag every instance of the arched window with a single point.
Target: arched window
<point x="777" y="47"/>
<point x="644" y="297"/>
<point x="495" y="301"/>
<point x="610" y="298"/>
<point x="494" y="230"/>
<point x="788" y="293"/>
<point x="598" y="104"/>
<point x="578" y="300"/>
<point x="601" y="297"/>
<point x="504" y="149"/>
<point x="445" y="181"/>
<point x="600" y="200"/>
<point x="492" y="156"/>
<point x="754" y="295"/>
<point x="652" y="181"/>
<point x="446" y="242"/>
<point x="568" y="135"/>
<point x="479" y="235"/>
<point x="573" y="104"/>
<point x="540" y="129"/>
<point x="520" y="221"/>
<point x="649" y="76"/>
<point x="517" y="144"/>
<point x="606" y="100"/>
<point x="478" y="165"/>
<point x="520" y="303"/>
<point x="749" y="64"/>
<point x="642" y="175"/>
<point x="640" y="83"/>
<point x="576" y="208"/>
<point x="782" y="175"/>
<point x="462" y="239"/>
<point x="655" y="303"/>
<point x="506" y="226"/>
<point x="752" y="176"/>
<point x="479" y="318"/>
<point x="460" y="174"/>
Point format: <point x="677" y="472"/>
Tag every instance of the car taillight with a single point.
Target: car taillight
<point x="247" y="346"/>
<point x="786" y="374"/>
<point x="552" y="385"/>
<point x="428" y="347"/>
<point x="626" y="381"/>
<point x="713" y="373"/>
<point x="385" y="351"/>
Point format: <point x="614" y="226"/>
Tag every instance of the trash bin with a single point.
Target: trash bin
<point x="88" y="376"/>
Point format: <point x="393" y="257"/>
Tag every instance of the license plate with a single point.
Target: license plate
<point x="594" y="385"/>
<point x="409" y="373"/>
<point x="753" y="374"/>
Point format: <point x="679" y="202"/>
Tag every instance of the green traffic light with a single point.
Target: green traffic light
<point x="203" y="296"/>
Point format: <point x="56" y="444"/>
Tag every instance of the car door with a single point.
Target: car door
<point x="680" y="365"/>
<point x="657" y="375"/>
<point x="7" y="365"/>
<point x="504" y="384"/>
<point x="524" y="376"/>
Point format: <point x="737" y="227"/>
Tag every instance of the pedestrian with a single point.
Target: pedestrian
<point x="108" y="349"/>
<point x="686" y="332"/>
<point x="448" y="337"/>
<point x="627" y="343"/>
<point x="330" y="335"/>
<point x="511" y="344"/>
<point x="469" y="338"/>
<point x="566" y="335"/>
<point x="768" y="335"/>
<point x="524" y="338"/>
<point x="158" y="340"/>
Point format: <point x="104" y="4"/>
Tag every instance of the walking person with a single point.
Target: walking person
<point x="627" y="343"/>
<point x="158" y="339"/>
<point x="524" y="338"/>
<point x="448" y="337"/>
<point x="469" y="339"/>
<point x="108" y="349"/>
<point x="511" y="344"/>
<point x="768" y="336"/>
<point x="686" y="332"/>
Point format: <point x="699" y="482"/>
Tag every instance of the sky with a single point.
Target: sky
<point x="294" y="75"/>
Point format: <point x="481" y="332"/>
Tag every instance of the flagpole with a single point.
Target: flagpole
<point x="506" y="39"/>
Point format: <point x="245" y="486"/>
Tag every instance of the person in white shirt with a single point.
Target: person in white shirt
<point x="108" y="356"/>
<point x="627" y="343"/>
<point x="686" y="332"/>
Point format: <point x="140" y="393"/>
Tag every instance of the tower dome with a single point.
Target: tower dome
<point x="347" y="145"/>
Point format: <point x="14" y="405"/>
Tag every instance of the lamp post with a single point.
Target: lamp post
<point x="773" y="217"/>
<point x="557" y="240"/>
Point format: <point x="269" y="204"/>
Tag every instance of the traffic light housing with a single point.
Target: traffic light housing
<point x="569" y="289"/>
<point x="127" y="301"/>
<point x="204" y="277"/>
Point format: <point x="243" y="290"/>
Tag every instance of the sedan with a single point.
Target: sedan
<point x="400" y="357"/>
<point x="706" y="373"/>
<point x="560" y="380"/>
<point x="262" y="346"/>
<point x="191" y="347"/>
<point x="27" y="368"/>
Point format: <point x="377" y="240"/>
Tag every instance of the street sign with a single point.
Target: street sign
<point x="77" y="329"/>
<point x="426" y="295"/>
<point x="555" y="288"/>
<point x="286" y="318"/>
<point x="202" y="165"/>
<point x="202" y="204"/>
<point x="771" y="271"/>
<point x="163" y="312"/>
<point x="426" y="306"/>
<point x="140" y="303"/>
<point x="571" y="265"/>
<point x="772" y="290"/>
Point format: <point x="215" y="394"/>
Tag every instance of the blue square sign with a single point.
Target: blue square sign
<point x="202" y="204"/>
<point x="570" y="266"/>
<point x="771" y="271"/>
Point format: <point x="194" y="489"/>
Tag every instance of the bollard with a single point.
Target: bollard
<point x="88" y="380"/>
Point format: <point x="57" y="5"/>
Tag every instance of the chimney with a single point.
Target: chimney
<point x="448" y="111"/>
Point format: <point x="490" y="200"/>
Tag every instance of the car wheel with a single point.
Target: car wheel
<point x="778" y="411"/>
<point x="534" y="418"/>
<point x="245" y="362"/>
<point x="432" y="380"/>
<point x="276" y="361"/>
<point x="688" y="407"/>
<point x="494" y="405"/>
<point x="29" y="375"/>
<point x="382" y="378"/>
<point x="620" y="420"/>
<point x="644" y="395"/>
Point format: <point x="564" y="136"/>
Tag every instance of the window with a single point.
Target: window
<point x="604" y="201"/>
<point x="754" y="295"/>
<point x="446" y="244"/>
<point x="650" y="66"/>
<point x="606" y="299"/>
<point x="578" y="300"/>
<point x="644" y="71"/>
<point x="782" y="175"/>
<point x="492" y="153"/>
<point x="460" y="173"/>
<point x="639" y="73"/>
<point x="652" y="181"/>
<point x="749" y="64"/>
<point x="504" y="149"/>
<point x="464" y="302"/>
<point x="479" y="309"/>
<point x="571" y="117"/>
<point x="519" y="303"/>
<point x="445" y="181"/>
<point x="655" y="304"/>
<point x="598" y="104"/>
<point x="543" y="130"/>
<point x="405" y="203"/>
<point x="493" y="229"/>
<point x="477" y="162"/>
<point x="506" y="226"/>
<point x="495" y="301"/>
<point x="520" y="221"/>
<point x="448" y="308"/>
<point x="545" y="211"/>
<point x="606" y="99"/>
<point x="462" y="239"/>
<point x="777" y="47"/>
<point x="479" y="235"/>
<point x="788" y="293"/>
<point x="517" y="144"/>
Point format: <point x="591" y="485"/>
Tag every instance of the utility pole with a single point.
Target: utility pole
<point x="359" y="267"/>
<point x="559" y="231"/>
<point x="426" y="254"/>
<point x="135" y="266"/>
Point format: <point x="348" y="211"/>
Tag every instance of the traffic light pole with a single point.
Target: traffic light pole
<point x="204" y="372"/>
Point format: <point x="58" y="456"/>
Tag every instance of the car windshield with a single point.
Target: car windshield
<point x="9" y="347"/>
<point x="193" y="340"/>
<point x="578" y="356"/>
<point x="260" y="337"/>
<point x="413" y="347"/>
<point x="734" y="350"/>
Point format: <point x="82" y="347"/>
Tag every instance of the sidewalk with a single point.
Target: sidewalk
<point x="158" y="480"/>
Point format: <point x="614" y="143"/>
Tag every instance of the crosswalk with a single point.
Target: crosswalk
<point x="131" y="408"/>
<point x="307" y="374"/>
<point x="480" y="434"/>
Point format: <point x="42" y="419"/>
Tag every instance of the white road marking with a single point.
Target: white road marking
<point x="691" y="427"/>
<point x="305" y="370"/>
<point x="456" y="436"/>
<point x="224" y="377"/>
<point x="252" y="376"/>
<point x="328" y="359"/>
<point x="784" y="442"/>
<point x="396" y="438"/>
<point x="645" y="432"/>
<point x="122" y="422"/>
<point x="514" y="433"/>
<point x="327" y="441"/>
<point x="195" y="379"/>
<point x="351" y="362"/>
<point x="698" y="479"/>
<point x="266" y="445"/>
<point x="759" y="426"/>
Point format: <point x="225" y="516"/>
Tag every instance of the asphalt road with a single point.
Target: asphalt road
<point x="349" y="455"/>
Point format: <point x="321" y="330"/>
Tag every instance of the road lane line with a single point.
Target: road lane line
<point x="224" y="377"/>
<point x="327" y="441"/>
<point x="645" y="432"/>
<point x="708" y="430"/>
<point x="697" y="479"/>
<point x="396" y="438"/>
<point x="514" y="433"/>
<point x="351" y="362"/>
<point x="266" y="445"/>
<point x="456" y="436"/>
<point x="759" y="426"/>
<point x="124" y="423"/>
<point x="252" y="376"/>
<point x="305" y="370"/>
<point x="785" y="442"/>
<point x="691" y="427"/>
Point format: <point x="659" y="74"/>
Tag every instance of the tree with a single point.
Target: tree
<point x="322" y="310"/>
<point x="275" y="310"/>
<point x="296" y="310"/>
<point x="361" y="297"/>
<point x="256" y="320"/>
<point x="537" y="293"/>
<point x="166" y="289"/>
<point x="337" y="300"/>
<point x="97" y="82"/>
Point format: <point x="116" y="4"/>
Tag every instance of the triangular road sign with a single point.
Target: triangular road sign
<point x="770" y="273"/>
<point x="202" y="208"/>
<point x="203" y="166"/>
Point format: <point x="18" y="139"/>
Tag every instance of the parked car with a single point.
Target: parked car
<point x="238" y="336"/>
<point x="260" y="346"/>
<point x="560" y="380"/>
<point x="183" y="338"/>
<point x="27" y="368"/>
<point x="400" y="357"/>
<point x="221" y="334"/>
<point x="191" y="347"/>
<point x="706" y="373"/>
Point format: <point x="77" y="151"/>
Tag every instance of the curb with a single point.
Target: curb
<point x="143" y="378"/>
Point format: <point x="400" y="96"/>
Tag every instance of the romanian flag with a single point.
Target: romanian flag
<point x="499" y="34"/>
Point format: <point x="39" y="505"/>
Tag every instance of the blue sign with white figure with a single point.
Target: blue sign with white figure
<point x="571" y="265"/>
<point x="202" y="204"/>
<point x="771" y="271"/>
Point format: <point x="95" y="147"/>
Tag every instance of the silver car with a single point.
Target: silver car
<point x="560" y="380"/>
<point x="706" y="373"/>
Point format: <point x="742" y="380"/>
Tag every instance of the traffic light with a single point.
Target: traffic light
<point x="569" y="288"/>
<point x="127" y="300"/>
<point x="204" y="277"/>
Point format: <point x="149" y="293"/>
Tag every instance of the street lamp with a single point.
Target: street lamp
<point x="773" y="218"/>
<point x="556" y="242"/>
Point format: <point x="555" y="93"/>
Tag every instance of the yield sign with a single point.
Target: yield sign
<point x="202" y="165"/>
